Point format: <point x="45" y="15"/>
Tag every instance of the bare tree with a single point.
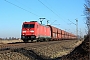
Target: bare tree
<point x="87" y="13"/>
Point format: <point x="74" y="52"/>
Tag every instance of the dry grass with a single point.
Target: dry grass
<point x="9" y="41"/>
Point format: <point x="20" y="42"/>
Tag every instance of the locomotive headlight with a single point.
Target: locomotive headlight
<point x="23" y="34"/>
<point x="31" y="31"/>
<point x="23" y="31"/>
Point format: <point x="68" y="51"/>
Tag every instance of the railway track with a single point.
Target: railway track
<point x="50" y="49"/>
<point x="30" y="44"/>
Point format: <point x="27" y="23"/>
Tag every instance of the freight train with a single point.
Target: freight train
<point x="35" y="31"/>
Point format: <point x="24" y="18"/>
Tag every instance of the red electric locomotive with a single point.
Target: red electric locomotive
<point x="34" y="31"/>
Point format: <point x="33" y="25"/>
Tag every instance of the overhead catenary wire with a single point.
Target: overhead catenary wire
<point x="54" y="21"/>
<point x="50" y="10"/>
<point x="76" y="26"/>
<point x="48" y="7"/>
<point x="30" y="11"/>
<point x="72" y="22"/>
<point x="23" y="4"/>
<point x="21" y="8"/>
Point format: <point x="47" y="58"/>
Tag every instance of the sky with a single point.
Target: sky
<point x="60" y="13"/>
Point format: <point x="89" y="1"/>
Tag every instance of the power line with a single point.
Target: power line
<point x="20" y="7"/>
<point x="54" y="21"/>
<point x="51" y="10"/>
<point x="48" y="7"/>
<point x="23" y="4"/>
<point x="76" y="26"/>
<point x="72" y="22"/>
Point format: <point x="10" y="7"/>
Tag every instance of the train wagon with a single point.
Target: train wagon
<point x="59" y="34"/>
<point x="63" y="34"/>
<point x="33" y="30"/>
<point x="54" y="34"/>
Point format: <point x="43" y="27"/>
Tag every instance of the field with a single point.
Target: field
<point x="9" y="41"/>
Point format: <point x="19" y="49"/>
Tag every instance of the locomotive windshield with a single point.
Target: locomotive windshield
<point x="28" y="25"/>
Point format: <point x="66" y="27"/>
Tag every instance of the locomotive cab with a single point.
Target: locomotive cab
<point x="28" y="31"/>
<point x="34" y="31"/>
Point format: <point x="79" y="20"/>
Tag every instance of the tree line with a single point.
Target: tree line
<point x="10" y="38"/>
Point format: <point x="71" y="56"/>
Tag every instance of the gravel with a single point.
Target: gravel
<point x="13" y="56"/>
<point x="51" y="50"/>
